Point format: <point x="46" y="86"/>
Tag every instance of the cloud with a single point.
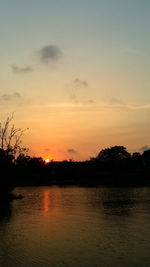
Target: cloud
<point x="72" y="151"/>
<point x="136" y="107"/>
<point x="50" y="53"/>
<point x="75" y="94"/>
<point x="9" y="97"/>
<point x="144" y="148"/>
<point x="114" y="100"/>
<point x="21" y="70"/>
<point x="91" y="101"/>
<point x="117" y="103"/>
<point x="130" y="106"/>
<point x="74" y="98"/>
<point x="78" y="83"/>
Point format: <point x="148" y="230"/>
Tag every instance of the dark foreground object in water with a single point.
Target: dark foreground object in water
<point x="12" y="196"/>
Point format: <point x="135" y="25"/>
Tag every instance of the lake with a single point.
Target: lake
<point x="75" y="226"/>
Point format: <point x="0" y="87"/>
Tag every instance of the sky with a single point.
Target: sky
<point x="76" y="73"/>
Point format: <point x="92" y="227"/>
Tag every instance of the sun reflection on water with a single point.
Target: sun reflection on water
<point x="46" y="201"/>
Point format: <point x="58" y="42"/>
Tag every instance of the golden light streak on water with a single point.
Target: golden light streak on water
<point x="46" y="201"/>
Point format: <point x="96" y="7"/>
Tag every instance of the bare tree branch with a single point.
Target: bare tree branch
<point x="10" y="137"/>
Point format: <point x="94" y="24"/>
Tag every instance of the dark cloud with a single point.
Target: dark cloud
<point x="50" y="53"/>
<point x="144" y="148"/>
<point x="71" y="150"/>
<point x="21" y="70"/>
<point x="46" y="149"/>
<point x="9" y="97"/>
<point x="78" y="83"/>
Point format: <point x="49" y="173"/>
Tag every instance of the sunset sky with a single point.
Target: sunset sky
<point x="77" y="74"/>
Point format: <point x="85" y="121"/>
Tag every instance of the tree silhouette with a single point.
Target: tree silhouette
<point x="113" y="153"/>
<point x="10" y="138"/>
<point x="10" y="148"/>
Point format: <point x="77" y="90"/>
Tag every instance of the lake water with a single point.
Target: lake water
<point x="75" y="226"/>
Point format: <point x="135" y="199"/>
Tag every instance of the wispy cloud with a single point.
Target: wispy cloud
<point x="131" y="106"/>
<point x="74" y="98"/>
<point x="90" y="104"/>
<point x="114" y="100"/>
<point x="144" y="148"/>
<point x="9" y="97"/>
<point x="91" y="101"/>
<point x="65" y="107"/>
<point x="78" y="83"/>
<point x="50" y="53"/>
<point x="75" y="93"/>
<point x="117" y="103"/>
<point x="54" y="105"/>
<point x="72" y="151"/>
<point x="77" y="100"/>
<point x="134" y="107"/>
<point x="21" y="70"/>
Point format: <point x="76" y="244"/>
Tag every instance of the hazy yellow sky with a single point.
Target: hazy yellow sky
<point x="76" y="73"/>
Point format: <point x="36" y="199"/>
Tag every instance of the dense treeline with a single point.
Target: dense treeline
<point x="112" y="166"/>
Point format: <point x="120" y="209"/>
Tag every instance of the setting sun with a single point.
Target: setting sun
<point x="47" y="160"/>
